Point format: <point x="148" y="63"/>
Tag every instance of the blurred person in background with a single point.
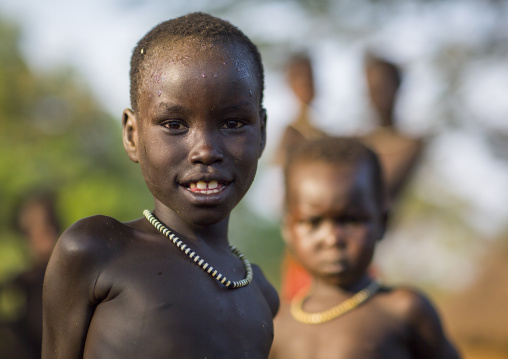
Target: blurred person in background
<point x="300" y="78"/>
<point x="21" y="326"/>
<point x="399" y="153"/>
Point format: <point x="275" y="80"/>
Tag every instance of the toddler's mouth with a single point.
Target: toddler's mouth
<point x="206" y="187"/>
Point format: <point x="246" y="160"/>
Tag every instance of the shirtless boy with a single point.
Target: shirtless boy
<point x="133" y="290"/>
<point x="335" y="214"/>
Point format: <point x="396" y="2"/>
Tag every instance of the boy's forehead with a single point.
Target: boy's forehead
<point x="192" y="51"/>
<point x="203" y="58"/>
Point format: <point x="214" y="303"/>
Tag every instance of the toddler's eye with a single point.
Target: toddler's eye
<point x="311" y="222"/>
<point x="232" y="124"/>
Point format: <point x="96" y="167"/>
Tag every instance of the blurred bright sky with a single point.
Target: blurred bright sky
<point x="97" y="37"/>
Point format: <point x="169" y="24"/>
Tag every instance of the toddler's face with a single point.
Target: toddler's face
<point x="201" y="130"/>
<point x="333" y="221"/>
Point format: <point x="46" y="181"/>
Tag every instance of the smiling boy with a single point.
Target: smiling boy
<point x="168" y="285"/>
<point x="335" y="214"/>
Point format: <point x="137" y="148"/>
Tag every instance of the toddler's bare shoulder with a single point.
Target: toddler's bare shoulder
<point x="409" y="304"/>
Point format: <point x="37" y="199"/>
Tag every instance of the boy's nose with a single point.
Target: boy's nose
<point x="206" y="151"/>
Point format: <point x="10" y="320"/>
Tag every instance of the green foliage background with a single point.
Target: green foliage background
<point x="55" y="137"/>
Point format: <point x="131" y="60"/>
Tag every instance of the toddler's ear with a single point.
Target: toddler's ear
<point x="130" y="134"/>
<point x="262" y="119"/>
<point x="284" y="229"/>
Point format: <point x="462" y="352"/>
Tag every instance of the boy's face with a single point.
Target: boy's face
<point x="333" y="221"/>
<point x="199" y="131"/>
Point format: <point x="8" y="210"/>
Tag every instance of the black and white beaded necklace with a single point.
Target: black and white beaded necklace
<point x="200" y="261"/>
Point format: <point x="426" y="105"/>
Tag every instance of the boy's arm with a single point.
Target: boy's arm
<point x="68" y="299"/>
<point x="427" y="337"/>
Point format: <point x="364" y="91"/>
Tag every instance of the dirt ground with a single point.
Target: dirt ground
<point x="477" y="318"/>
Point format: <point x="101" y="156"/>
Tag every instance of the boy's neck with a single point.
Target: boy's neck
<point x="215" y="234"/>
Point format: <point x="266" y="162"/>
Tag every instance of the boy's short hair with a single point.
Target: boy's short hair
<point x="198" y="25"/>
<point x="337" y="151"/>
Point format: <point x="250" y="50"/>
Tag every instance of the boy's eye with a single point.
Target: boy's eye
<point x="174" y="125"/>
<point x="232" y="124"/>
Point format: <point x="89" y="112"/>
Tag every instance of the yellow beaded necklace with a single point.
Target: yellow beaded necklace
<point x="300" y="315"/>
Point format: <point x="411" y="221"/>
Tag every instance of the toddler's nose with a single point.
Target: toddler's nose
<point x="335" y="234"/>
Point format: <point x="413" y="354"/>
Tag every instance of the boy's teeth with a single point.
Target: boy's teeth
<point x="205" y="187"/>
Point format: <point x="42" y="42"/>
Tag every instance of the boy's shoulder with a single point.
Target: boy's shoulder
<point x="94" y="227"/>
<point x="82" y="252"/>
<point x="269" y="292"/>
<point x="92" y="235"/>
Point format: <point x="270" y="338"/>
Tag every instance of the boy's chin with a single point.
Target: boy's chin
<point x="207" y="217"/>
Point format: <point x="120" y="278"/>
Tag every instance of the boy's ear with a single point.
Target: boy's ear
<point x="262" y="119"/>
<point x="130" y="134"/>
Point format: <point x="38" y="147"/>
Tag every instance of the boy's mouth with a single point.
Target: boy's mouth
<point x="206" y="187"/>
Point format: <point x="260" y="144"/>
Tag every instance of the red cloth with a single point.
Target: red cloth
<point x="294" y="278"/>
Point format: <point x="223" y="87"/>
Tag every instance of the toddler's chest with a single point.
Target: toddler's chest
<point x="352" y="336"/>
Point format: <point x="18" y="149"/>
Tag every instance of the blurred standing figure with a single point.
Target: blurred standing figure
<point x="300" y="78"/>
<point x="38" y="222"/>
<point x="398" y="152"/>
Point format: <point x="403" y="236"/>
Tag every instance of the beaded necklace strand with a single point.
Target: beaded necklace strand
<point x="300" y="315"/>
<point x="200" y="261"/>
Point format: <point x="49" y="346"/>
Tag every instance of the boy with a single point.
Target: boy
<point x="136" y="289"/>
<point x="335" y="214"/>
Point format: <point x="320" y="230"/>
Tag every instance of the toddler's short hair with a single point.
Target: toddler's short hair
<point x="337" y="151"/>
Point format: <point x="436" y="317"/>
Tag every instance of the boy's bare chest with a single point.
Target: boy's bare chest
<point x="167" y="306"/>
